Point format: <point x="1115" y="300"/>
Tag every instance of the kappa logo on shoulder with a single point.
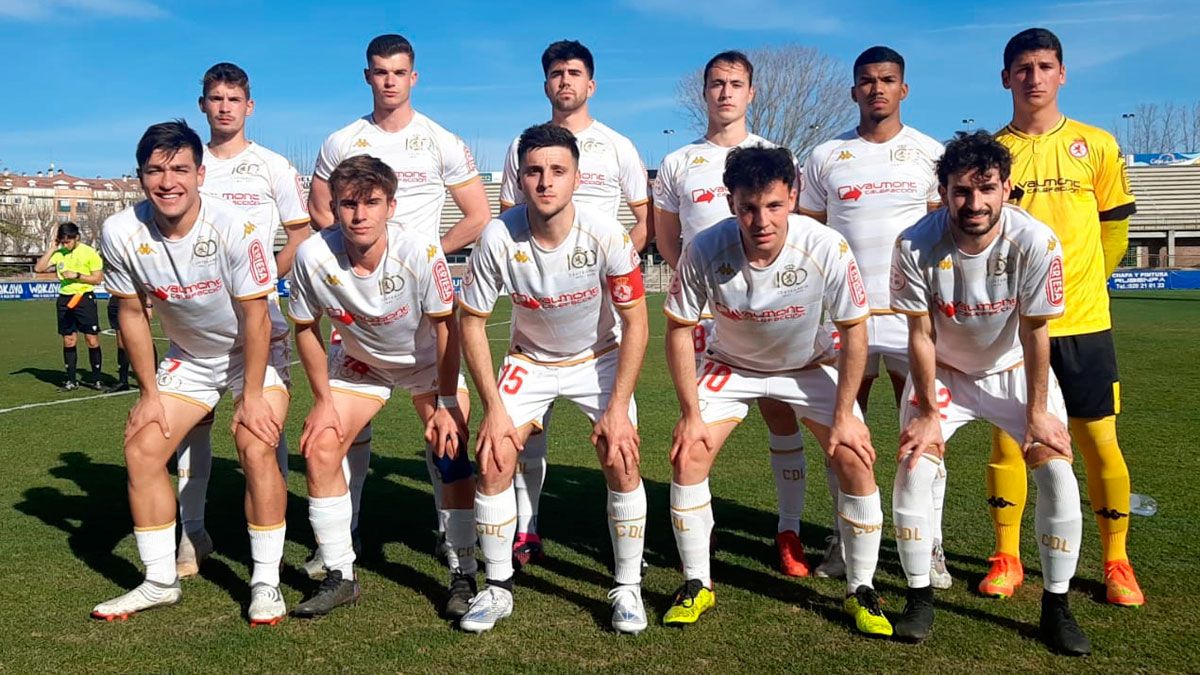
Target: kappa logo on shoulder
<point x="145" y="249"/>
<point x="361" y="143"/>
<point x="521" y="257"/>
<point x="845" y="155"/>
<point x="332" y="280"/>
<point x="699" y="160"/>
<point x="248" y="229"/>
<point x="430" y="253"/>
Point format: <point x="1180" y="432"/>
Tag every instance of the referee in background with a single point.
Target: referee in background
<point x="79" y="270"/>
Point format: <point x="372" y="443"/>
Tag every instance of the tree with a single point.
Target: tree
<point x="1165" y="127"/>
<point x="27" y="227"/>
<point x="801" y="97"/>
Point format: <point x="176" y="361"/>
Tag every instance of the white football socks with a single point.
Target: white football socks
<point x="530" y="477"/>
<point x="354" y="468"/>
<point x="194" y="462"/>
<point x="861" y="525"/>
<point x="692" y="521"/>
<point x="912" y="513"/>
<point x="156" y="548"/>
<point x="460" y="538"/>
<point x="627" y="530"/>
<point x="1058" y="522"/>
<point x="788" y="466"/>
<point x="266" y="550"/>
<point x="330" y="518"/>
<point x="496" y="523"/>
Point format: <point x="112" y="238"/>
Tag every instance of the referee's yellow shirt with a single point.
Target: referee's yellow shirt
<point x="82" y="259"/>
<point x="1072" y="178"/>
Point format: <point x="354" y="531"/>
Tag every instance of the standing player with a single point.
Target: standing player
<point x="79" y="268"/>
<point x="609" y="169"/>
<point x="570" y="272"/>
<point x="210" y="279"/>
<point x="428" y="161"/>
<point x="391" y="293"/>
<point x="267" y="187"/>
<point x="769" y="274"/>
<point x="1070" y="176"/>
<point x="979" y="281"/>
<point x="869" y="184"/>
<point x="689" y="197"/>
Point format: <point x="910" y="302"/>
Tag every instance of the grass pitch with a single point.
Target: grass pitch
<point x="67" y="543"/>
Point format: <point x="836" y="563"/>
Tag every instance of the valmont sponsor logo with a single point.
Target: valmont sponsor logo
<point x="960" y="308"/>
<point x="706" y="195"/>
<point x="412" y="177"/>
<point x="243" y="198"/>
<point x="1049" y="185"/>
<point x="188" y="292"/>
<point x="880" y="187"/>
<point x="592" y="178"/>
<point x="348" y="317"/>
<point x="557" y="301"/>
<point x="764" y="316"/>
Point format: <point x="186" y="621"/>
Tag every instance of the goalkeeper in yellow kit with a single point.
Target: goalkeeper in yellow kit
<point x="1072" y="177"/>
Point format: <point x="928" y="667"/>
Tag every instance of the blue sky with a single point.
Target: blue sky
<point x="85" y="77"/>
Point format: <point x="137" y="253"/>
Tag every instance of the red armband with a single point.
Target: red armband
<point x="627" y="288"/>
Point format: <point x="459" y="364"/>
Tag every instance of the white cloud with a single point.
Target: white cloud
<point x="48" y="10"/>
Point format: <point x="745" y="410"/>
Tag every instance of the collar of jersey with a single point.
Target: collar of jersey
<point x="1057" y="128"/>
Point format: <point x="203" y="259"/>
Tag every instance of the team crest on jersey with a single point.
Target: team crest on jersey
<point x="204" y="248"/>
<point x="430" y="253"/>
<point x="521" y="257"/>
<point x="391" y="283"/>
<point x="945" y="263"/>
<point x="998" y="266"/>
<point x="1054" y="284"/>
<point x="418" y="143"/>
<point x="902" y="153"/>
<point x="145" y="249"/>
<point x="845" y="155"/>
<point x="469" y="277"/>
<point x="247" y="230"/>
<point x="581" y="259"/>
<point x="790" y="277"/>
<point x="591" y="146"/>
<point x="897" y="279"/>
<point x="1078" y="149"/>
<point x="332" y="280"/>
<point x="361" y="143"/>
<point x="676" y="285"/>
<point x="246" y="169"/>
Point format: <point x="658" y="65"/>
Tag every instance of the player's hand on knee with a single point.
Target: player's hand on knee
<point x="691" y="435"/>
<point x="323" y="416"/>
<point x="495" y="429"/>
<point x="442" y="433"/>
<point x="148" y="410"/>
<point x="851" y="433"/>
<point x="256" y="415"/>
<point x="615" y="434"/>
<point x="1044" y="430"/>
<point x="923" y="434"/>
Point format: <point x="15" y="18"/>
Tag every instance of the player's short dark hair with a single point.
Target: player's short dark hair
<point x="1031" y="40"/>
<point x="390" y="44"/>
<point x="878" y="54"/>
<point x="170" y="137"/>
<point x="360" y="175"/>
<point x="756" y="168"/>
<point x="978" y="151"/>
<point x="547" y="136"/>
<point x="68" y="230"/>
<point x="732" y="57"/>
<point x="225" y="73"/>
<point x="565" y="50"/>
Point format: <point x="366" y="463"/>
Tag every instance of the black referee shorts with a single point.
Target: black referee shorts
<point x="82" y="318"/>
<point x="1086" y="368"/>
<point x="114" y="305"/>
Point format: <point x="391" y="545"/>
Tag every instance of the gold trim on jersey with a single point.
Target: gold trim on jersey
<point x="256" y="296"/>
<point x="187" y="399"/>
<point x="639" y="202"/>
<point x="568" y="362"/>
<point x="681" y="320"/>
<point x="350" y="392"/>
<point x="468" y="181"/>
<point x="471" y="310"/>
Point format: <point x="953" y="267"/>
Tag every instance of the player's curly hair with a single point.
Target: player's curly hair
<point x="547" y="136"/>
<point x="169" y="137"/>
<point x="977" y="151"/>
<point x="756" y="168"/>
<point x="360" y="175"/>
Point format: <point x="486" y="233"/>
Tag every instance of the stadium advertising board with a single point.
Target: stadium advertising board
<point x="1162" y="280"/>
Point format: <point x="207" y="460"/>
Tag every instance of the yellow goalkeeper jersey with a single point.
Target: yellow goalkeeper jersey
<point x="1072" y="178"/>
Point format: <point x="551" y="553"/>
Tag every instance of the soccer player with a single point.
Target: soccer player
<point x="769" y="274"/>
<point x="267" y="187"/>
<point x="210" y="277"/>
<point x="570" y="272"/>
<point x="869" y="184"/>
<point x="689" y="197"/>
<point x="1070" y="176"/>
<point x="428" y="161"/>
<point x="391" y="293"/>
<point x="979" y="281"/>
<point x="79" y="270"/>
<point x="609" y="170"/>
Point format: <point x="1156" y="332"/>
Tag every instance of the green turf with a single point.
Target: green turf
<point x="67" y="544"/>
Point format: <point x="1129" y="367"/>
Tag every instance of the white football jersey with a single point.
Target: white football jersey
<point x="870" y="192"/>
<point x="609" y="169"/>
<point x="563" y="299"/>
<point x="259" y="181"/>
<point x="382" y="318"/>
<point x="976" y="301"/>
<point x="690" y="183"/>
<point x="197" y="281"/>
<point x="767" y="319"/>
<point x="427" y="159"/>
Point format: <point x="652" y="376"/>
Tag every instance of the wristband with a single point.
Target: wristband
<point x="447" y="401"/>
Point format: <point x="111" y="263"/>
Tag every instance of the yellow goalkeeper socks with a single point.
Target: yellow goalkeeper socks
<point x="1108" y="481"/>
<point x="1007" y="487"/>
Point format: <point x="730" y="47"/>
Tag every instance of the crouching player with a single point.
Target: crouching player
<point x="390" y="292"/>
<point x="979" y="281"/>
<point x="209" y="280"/>
<point x="570" y="272"/>
<point x="768" y="275"/>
